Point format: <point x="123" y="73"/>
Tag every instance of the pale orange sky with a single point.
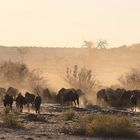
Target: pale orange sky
<point x="66" y="23"/>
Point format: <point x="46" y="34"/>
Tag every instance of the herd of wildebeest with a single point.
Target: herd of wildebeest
<point x="119" y="97"/>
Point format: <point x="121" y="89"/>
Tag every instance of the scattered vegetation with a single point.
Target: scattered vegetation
<point x="18" y="75"/>
<point x="101" y="44"/>
<point x="10" y="120"/>
<point x="80" y="78"/>
<point x="12" y="72"/>
<point x="68" y="115"/>
<point x="131" y="80"/>
<point x="103" y="126"/>
<point x="35" y="118"/>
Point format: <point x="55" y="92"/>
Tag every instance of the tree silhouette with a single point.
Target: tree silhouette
<point x="131" y="80"/>
<point x="101" y="44"/>
<point x="80" y="78"/>
<point x="88" y="44"/>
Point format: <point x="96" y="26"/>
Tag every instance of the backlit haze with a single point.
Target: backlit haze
<point x="66" y="23"/>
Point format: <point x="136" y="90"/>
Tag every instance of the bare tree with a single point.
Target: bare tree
<point x="88" y="44"/>
<point x="36" y="81"/>
<point x="131" y="80"/>
<point x="101" y="44"/>
<point x="80" y="78"/>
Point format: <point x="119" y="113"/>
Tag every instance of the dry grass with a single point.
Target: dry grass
<point x="10" y="120"/>
<point x="103" y="126"/>
<point x="35" y="118"/>
<point x="68" y="115"/>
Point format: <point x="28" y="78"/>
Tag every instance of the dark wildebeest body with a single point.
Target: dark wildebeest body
<point x="20" y="101"/>
<point x="114" y="96"/>
<point x="137" y="93"/>
<point x="29" y="98"/>
<point x="8" y="101"/>
<point x="125" y="98"/>
<point x="37" y="103"/>
<point x="133" y="102"/>
<point x="102" y="97"/>
<point x="12" y="92"/>
<point x="46" y="94"/>
<point x="68" y="96"/>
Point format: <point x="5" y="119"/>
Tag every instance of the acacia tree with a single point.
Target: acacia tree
<point x="101" y="44"/>
<point x="88" y="44"/>
<point x="131" y="80"/>
<point x="80" y="78"/>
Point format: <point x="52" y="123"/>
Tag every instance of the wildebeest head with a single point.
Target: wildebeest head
<point x="12" y="91"/>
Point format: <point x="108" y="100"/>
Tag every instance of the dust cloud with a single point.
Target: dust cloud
<point x="106" y="64"/>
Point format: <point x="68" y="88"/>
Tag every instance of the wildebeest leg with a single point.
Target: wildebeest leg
<point x="21" y="108"/>
<point x="78" y="102"/>
<point x="134" y="108"/>
<point x="74" y="102"/>
<point x="62" y="100"/>
<point x="28" y="107"/>
<point x="38" y="110"/>
<point x="11" y="107"/>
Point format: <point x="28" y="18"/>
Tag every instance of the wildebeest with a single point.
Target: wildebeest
<point x="111" y="97"/>
<point x="119" y="97"/>
<point x="125" y="98"/>
<point x="12" y="92"/>
<point x="20" y="101"/>
<point x="68" y="96"/>
<point x="8" y="101"/>
<point x="137" y="93"/>
<point x="37" y="103"/>
<point x="46" y="94"/>
<point x="29" y="98"/>
<point x="102" y="97"/>
<point x="133" y="102"/>
<point x="114" y="96"/>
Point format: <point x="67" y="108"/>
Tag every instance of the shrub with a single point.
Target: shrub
<point x="10" y="120"/>
<point x="103" y="126"/>
<point x="35" y="118"/>
<point x="68" y="115"/>
<point x="131" y="80"/>
<point x="80" y="78"/>
<point x="6" y="110"/>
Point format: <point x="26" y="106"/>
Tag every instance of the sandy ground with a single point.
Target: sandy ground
<point x="50" y="127"/>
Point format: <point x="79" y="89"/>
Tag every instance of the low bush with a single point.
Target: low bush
<point x="10" y="120"/>
<point x="68" y="115"/>
<point x="103" y="126"/>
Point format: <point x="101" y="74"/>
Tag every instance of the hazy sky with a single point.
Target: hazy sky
<point x="66" y="23"/>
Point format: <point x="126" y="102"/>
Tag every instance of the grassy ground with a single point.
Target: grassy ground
<point x="100" y="125"/>
<point x="64" y="124"/>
